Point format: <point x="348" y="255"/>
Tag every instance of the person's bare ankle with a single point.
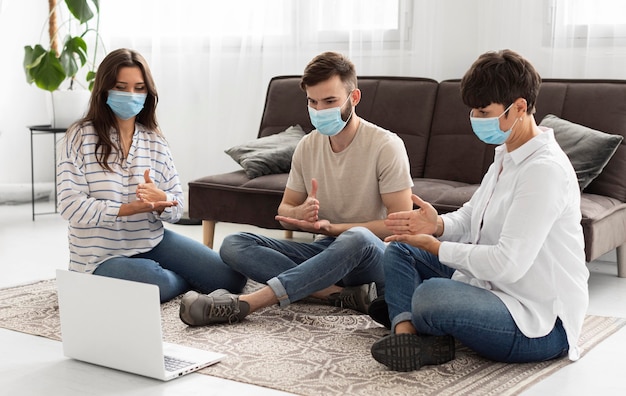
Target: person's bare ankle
<point x="261" y="298"/>
<point x="405" y="327"/>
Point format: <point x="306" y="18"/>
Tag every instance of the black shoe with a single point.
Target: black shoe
<point x="408" y="352"/>
<point x="379" y="312"/>
<point x="358" y="298"/>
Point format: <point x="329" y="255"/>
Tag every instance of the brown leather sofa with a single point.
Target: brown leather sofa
<point x="447" y="160"/>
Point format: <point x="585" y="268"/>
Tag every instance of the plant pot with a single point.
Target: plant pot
<point x="68" y="106"/>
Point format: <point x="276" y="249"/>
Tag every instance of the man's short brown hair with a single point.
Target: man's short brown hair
<point x="327" y="65"/>
<point x="500" y="77"/>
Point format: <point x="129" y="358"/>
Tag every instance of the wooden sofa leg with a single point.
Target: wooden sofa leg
<point x="208" y="232"/>
<point x="288" y="234"/>
<point x="621" y="261"/>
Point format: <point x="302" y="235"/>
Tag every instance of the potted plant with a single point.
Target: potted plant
<point x="50" y="67"/>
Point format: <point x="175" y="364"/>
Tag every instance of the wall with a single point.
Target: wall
<point x="20" y="104"/>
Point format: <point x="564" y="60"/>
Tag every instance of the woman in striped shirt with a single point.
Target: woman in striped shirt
<point x="117" y="183"/>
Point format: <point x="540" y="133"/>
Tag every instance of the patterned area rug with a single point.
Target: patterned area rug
<point x="310" y="349"/>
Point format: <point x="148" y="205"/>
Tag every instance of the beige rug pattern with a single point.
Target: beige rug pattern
<point x="310" y="349"/>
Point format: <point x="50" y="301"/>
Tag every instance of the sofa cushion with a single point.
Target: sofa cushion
<point x="588" y="150"/>
<point x="443" y="195"/>
<point x="267" y="155"/>
<point x="603" y="224"/>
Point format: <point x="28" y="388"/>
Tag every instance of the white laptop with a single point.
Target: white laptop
<point x="117" y="323"/>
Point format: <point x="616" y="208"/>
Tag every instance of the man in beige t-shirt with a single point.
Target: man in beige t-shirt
<point x="345" y="177"/>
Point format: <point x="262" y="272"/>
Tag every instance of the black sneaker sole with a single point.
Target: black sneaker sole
<point x="409" y="352"/>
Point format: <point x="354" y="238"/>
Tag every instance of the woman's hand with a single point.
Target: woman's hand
<point x="148" y="191"/>
<point x="412" y="222"/>
<point x="149" y="199"/>
<point x="415" y="227"/>
<point x="421" y="241"/>
<point x="138" y="206"/>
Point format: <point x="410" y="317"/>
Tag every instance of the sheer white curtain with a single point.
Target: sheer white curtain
<point x="588" y="38"/>
<point x="212" y="60"/>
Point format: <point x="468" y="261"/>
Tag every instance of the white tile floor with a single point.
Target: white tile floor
<point x="29" y="365"/>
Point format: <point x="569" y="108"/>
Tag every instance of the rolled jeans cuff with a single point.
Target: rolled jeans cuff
<point x="279" y="291"/>
<point x="401" y="317"/>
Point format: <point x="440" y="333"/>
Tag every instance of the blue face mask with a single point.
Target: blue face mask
<point x="488" y="129"/>
<point x="126" y="105"/>
<point x="328" y="121"/>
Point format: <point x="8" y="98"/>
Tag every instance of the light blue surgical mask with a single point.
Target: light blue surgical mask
<point x="126" y="105"/>
<point x="488" y="129"/>
<point x="328" y="121"/>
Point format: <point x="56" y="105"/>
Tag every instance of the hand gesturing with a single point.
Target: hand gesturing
<point x="309" y="209"/>
<point x="150" y="197"/>
<point x="306" y="214"/>
<point x="419" y="221"/>
<point x="148" y="191"/>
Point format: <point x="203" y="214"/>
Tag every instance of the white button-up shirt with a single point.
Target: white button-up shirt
<point x="520" y="237"/>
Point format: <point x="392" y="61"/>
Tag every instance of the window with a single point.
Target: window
<point x="588" y="23"/>
<point x="274" y="21"/>
<point x="333" y="15"/>
<point x="385" y="22"/>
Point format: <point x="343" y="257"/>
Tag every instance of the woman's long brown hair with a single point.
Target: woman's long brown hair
<point x="100" y="114"/>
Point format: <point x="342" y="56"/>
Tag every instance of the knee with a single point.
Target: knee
<point x="359" y="237"/>
<point x="395" y="252"/>
<point x="232" y="244"/>
<point x="430" y="291"/>
<point x="232" y="247"/>
<point x="427" y="300"/>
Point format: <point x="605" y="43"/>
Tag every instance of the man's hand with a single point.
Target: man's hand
<point x="310" y="208"/>
<point x="316" y="227"/>
<point x="307" y="214"/>
<point x="412" y="222"/>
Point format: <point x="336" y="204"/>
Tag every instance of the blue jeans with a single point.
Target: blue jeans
<point x="419" y="289"/>
<point x="295" y="270"/>
<point x="176" y="265"/>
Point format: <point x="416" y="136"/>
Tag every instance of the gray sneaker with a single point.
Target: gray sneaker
<point x="220" y="306"/>
<point x="358" y="298"/>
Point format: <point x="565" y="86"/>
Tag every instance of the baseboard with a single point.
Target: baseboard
<point x="17" y="193"/>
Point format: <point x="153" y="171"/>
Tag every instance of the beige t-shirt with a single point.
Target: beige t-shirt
<point x="350" y="183"/>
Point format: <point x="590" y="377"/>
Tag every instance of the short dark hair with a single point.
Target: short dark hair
<point x="500" y="77"/>
<point x="326" y="65"/>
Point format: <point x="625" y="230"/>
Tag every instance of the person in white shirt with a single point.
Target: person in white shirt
<point x="117" y="184"/>
<point x="505" y="275"/>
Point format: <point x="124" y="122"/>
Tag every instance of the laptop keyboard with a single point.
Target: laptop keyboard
<point x="173" y="364"/>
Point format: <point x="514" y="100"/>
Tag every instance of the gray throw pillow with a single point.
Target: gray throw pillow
<point x="588" y="150"/>
<point x="269" y="154"/>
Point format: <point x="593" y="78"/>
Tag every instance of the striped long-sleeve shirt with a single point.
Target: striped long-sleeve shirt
<point x="89" y="197"/>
